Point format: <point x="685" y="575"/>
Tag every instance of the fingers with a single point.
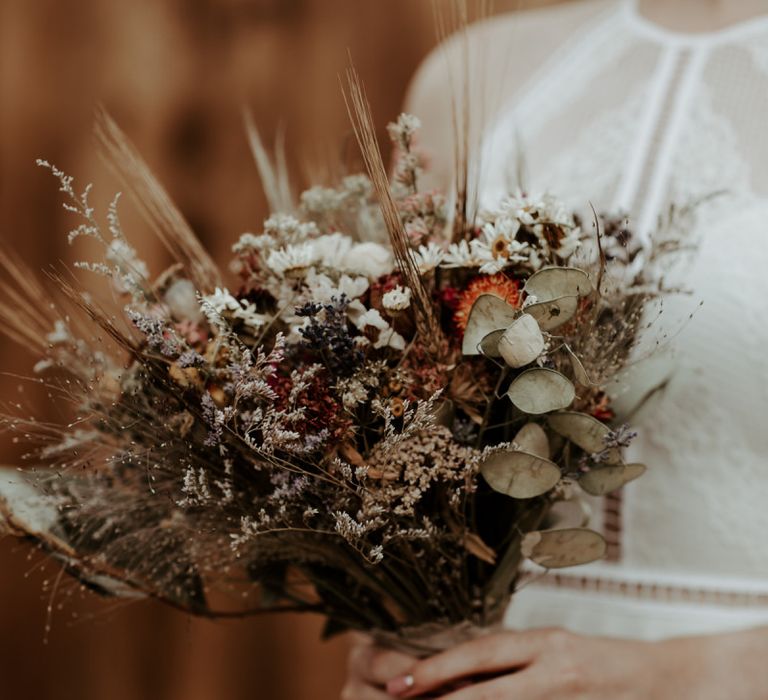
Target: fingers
<point x="491" y="654"/>
<point x="375" y="665"/>
<point x="522" y="684"/>
<point x="356" y="690"/>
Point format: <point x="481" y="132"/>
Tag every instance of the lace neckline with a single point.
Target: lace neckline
<point x="663" y="35"/>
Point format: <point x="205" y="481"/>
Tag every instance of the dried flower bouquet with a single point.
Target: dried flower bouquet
<point x="379" y="433"/>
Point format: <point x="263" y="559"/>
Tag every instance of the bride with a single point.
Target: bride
<point x="634" y="105"/>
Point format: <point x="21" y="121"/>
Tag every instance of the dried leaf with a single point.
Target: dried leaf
<point x="489" y="313"/>
<point x="553" y="313"/>
<point x="519" y="474"/>
<point x="489" y="345"/>
<point x="474" y="544"/>
<point x="444" y="413"/>
<point x="531" y="438"/>
<point x="602" y="480"/>
<point x="522" y="342"/>
<point x="579" y="373"/>
<point x="553" y="282"/>
<point x="351" y="455"/>
<point x="555" y="549"/>
<point x="581" y="429"/>
<point x="540" y="390"/>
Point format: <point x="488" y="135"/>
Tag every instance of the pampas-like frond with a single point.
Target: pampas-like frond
<point x="155" y="204"/>
<point x="273" y="173"/>
<point x="362" y="122"/>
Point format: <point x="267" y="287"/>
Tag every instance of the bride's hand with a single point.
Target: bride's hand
<point x="538" y="664"/>
<point x="369" y="669"/>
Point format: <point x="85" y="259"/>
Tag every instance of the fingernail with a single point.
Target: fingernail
<point x="401" y="684"/>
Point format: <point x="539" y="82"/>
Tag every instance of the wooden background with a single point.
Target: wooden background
<point x="175" y="74"/>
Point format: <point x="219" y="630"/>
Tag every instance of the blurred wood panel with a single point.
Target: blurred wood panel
<point x="175" y="74"/>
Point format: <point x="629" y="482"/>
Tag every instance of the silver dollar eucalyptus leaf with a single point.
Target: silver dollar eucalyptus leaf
<point x="522" y="342"/>
<point x="444" y="413"/>
<point x="601" y="480"/>
<point x="532" y="438"/>
<point x="579" y="373"/>
<point x="553" y="282"/>
<point x="541" y="390"/>
<point x="489" y="345"/>
<point x="555" y="549"/>
<point x="488" y="313"/>
<point x="553" y="313"/>
<point x="519" y="474"/>
<point x="581" y="429"/>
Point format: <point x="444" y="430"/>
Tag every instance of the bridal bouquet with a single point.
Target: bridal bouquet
<point x="379" y="417"/>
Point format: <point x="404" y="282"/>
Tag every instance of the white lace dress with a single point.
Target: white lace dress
<point x="630" y="116"/>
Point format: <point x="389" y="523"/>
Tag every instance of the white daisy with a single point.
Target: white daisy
<point x="428" y="257"/>
<point x="388" y="337"/>
<point x="496" y="247"/>
<point x="291" y="261"/>
<point x="461" y="255"/>
<point x="323" y="289"/>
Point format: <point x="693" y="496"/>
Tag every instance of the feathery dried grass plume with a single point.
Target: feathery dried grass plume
<point x="274" y="175"/>
<point x="160" y="212"/>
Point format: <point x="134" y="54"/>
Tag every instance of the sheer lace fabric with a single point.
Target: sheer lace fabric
<point x="629" y="116"/>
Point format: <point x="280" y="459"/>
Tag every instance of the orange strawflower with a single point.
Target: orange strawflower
<point x="499" y="285"/>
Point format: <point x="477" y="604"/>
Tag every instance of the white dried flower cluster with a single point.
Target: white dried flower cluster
<point x="321" y="202"/>
<point x="397" y="299"/>
<point x="494" y="249"/>
<point x="497" y="246"/>
<point x="387" y="336"/>
<point x="333" y="252"/>
<point x="223" y="305"/>
<point x="121" y="264"/>
<point x="356" y="389"/>
<point x="402" y="130"/>
<point x="291" y="261"/>
<point x="408" y="470"/>
<point x="536" y="213"/>
<point x="285" y="229"/>
<point x="195" y="488"/>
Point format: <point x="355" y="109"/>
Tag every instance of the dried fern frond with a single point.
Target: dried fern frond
<point x="156" y="206"/>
